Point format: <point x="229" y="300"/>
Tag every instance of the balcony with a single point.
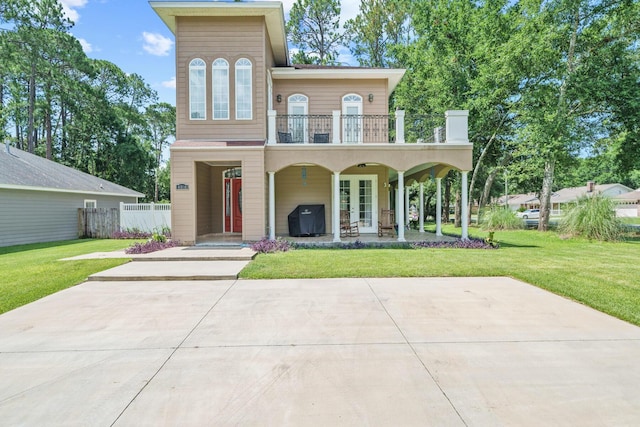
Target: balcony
<point x="337" y="128"/>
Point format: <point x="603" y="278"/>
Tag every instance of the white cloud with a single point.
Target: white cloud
<point x="156" y="44"/>
<point x="86" y="46"/>
<point x="69" y="8"/>
<point x="171" y="84"/>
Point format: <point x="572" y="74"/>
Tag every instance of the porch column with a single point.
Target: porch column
<point x="465" y="207"/>
<point x="336" y="127"/>
<point x="335" y="222"/>
<point x="406" y="206"/>
<point x="272" y="206"/>
<point x="400" y="207"/>
<point x="438" y="206"/>
<point x="271" y="127"/>
<point x="421" y="210"/>
<point x="399" y="126"/>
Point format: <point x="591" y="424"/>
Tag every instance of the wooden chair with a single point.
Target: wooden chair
<point x="348" y="228"/>
<point x="387" y="222"/>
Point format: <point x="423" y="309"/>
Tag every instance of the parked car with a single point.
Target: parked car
<point x="529" y="214"/>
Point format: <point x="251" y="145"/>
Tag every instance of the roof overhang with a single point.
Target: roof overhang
<point x="272" y="12"/>
<point x="65" y="190"/>
<point x="392" y="75"/>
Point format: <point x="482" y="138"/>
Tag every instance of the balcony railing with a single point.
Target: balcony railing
<point x="338" y="128"/>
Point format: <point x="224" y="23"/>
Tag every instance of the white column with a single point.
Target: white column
<point x="272" y="205"/>
<point x="421" y="210"/>
<point x="336" y="207"/>
<point x="399" y="126"/>
<point x="336" y="127"/>
<point x="438" y="206"/>
<point x="400" y="207"/>
<point x="457" y="126"/>
<point x="271" y="128"/>
<point x="465" y="207"/>
<point x="406" y="206"/>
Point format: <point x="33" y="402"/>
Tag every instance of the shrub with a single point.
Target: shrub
<point x="150" y="246"/>
<point x="132" y="233"/>
<point x="593" y="217"/>
<point x="266" y="245"/>
<point x="501" y="218"/>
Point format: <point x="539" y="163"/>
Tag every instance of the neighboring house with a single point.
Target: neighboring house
<point x="39" y="199"/>
<point x="258" y="136"/>
<point x="628" y="204"/>
<point x="562" y="198"/>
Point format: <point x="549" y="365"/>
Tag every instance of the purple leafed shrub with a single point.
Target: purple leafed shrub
<point x="267" y="246"/>
<point x="458" y="244"/>
<point x="150" y="246"/>
<point x="130" y="234"/>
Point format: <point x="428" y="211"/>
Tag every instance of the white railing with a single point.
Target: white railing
<point x="148" y="217"/>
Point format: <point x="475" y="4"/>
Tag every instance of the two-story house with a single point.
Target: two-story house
<point x="258" y="136"/>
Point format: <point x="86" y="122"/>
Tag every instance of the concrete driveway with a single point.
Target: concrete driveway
<point x="334" y="352"/>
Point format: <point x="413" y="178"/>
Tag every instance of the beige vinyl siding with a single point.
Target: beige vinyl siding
<point x="202" y="202"/>
<point x="28" y="216"/>
<point x="292" y="190"/>
<point x="204" y="199"/>
<point x="326" y="95"/>
<point x="230" y="38"/>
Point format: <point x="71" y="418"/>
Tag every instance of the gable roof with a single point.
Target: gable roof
<point x="20" y="170"/>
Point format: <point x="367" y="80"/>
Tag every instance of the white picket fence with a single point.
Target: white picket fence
<point x="147" y="217"/>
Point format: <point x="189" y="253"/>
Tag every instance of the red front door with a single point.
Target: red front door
<point x="233" y="205"/>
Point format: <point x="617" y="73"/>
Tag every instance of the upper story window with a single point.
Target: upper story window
<point x="197" y="89"/>
<point x="220" y="89"/>
<point x="244" y="89"/>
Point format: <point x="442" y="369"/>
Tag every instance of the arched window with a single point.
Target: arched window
<point x="352" y="118"/>
<point x="244" y="89"/>
<point x="220" y="76"/>
<point x="197" y="89"/>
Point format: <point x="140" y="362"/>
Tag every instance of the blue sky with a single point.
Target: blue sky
<point x="131" y="35"/>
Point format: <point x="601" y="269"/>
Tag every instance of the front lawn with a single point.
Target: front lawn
<point x="30" y="272"/>
<point x="604" y="276"/>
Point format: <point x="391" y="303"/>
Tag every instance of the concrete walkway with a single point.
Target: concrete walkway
<point x="330" y="352"/>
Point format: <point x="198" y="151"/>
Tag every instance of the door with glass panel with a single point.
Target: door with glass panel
<point x="298" y="118"/>
<point x="359" y="195"/>
<point x="352" y="119"/>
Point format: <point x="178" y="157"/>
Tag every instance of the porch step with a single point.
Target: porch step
<point x="172" y="270"/>
<point x="197" y="253"/>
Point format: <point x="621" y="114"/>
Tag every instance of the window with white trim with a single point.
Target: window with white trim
<point x="90" y="203"/>
<point x="197" y="89"/>
<point x="220" y="76"/>
<point x="244" y="89"/>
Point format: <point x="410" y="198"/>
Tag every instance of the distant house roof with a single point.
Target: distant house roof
<point x="632" y="196"/>
<point x="24" y="171"/>
<point x="571" y="194"/>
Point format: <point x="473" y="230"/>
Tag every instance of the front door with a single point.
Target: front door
<point x="359" y="195"/>
<point x="233" y="205"/>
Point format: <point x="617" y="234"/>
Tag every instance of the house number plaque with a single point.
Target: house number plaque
<point x="182" y="186"/>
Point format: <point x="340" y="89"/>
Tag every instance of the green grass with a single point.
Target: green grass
<point x="602" y="275"/>
<point x="30" y="272"/>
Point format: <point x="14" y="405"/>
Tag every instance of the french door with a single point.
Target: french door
<point x="359" y="195"/>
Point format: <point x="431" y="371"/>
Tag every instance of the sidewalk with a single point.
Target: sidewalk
<point x="338" y="352"/>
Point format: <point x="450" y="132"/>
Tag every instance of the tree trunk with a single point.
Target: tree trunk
<point x="545" y="195"/>
<point x="31" y="134"/>
<point x="458" y="209"/>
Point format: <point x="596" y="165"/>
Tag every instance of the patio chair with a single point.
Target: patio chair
<point x="348" y="228"/>
<point x="321" y="138"/>
<point x="387" y="222"/>
<point x="285" y="137"/>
